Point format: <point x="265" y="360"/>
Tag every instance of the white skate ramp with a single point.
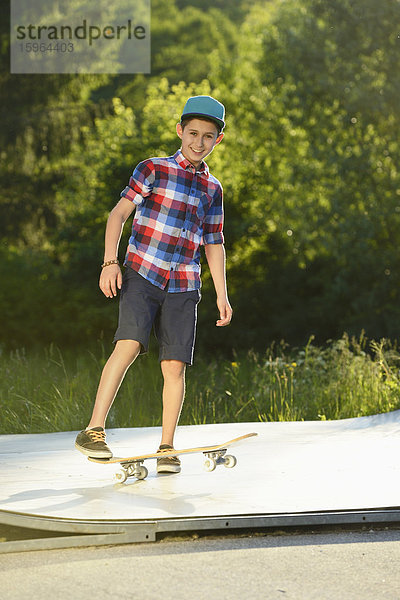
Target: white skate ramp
<point x="290" y="468"/>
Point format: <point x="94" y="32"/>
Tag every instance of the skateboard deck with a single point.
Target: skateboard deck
<point x="132" y="466"/>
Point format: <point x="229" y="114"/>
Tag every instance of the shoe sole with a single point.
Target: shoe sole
<point x="169" y="469"/>
<point x="94" y="453"/>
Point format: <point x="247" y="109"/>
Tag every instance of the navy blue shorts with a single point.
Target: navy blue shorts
<point x="143" y="305"/>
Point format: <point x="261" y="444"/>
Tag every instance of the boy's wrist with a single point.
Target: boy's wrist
<point x="107" y="263"/>
<point x="223" y="299"/>
<point x="222" y="294"/>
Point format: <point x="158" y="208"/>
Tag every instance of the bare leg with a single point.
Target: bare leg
<point x="173" y="395"/>
<point x="124" y="354"/>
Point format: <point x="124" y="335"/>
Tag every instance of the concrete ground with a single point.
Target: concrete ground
<point x="345" y="565"/>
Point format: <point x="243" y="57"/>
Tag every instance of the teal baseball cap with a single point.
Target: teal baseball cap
<point x="205" y="106"/>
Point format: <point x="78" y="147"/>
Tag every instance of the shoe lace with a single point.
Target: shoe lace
<point x="167" y="458"/>
<point x="172" y="459"/>
<point x="96" y="436"/>
<point x="165" y="449"/>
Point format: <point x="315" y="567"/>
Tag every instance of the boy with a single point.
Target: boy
<point x="178" y="207"/>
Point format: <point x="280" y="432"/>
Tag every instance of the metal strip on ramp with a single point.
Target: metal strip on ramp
<point x="139" y="532"/>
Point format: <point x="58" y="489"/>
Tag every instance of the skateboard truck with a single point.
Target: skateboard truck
<point x="134" y="468"/>
<point x="218" y="457"/>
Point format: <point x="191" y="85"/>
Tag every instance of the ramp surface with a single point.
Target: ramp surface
<point x="290" y="469"/>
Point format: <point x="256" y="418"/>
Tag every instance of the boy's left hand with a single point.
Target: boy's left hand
<point x="225" y="312"/>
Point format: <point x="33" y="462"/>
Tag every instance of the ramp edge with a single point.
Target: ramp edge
<point x="129" y="532"/>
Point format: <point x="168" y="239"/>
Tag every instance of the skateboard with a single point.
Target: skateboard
<point x="132" y="466"/>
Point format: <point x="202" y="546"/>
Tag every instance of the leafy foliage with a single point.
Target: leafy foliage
<point x="310" y="168"/>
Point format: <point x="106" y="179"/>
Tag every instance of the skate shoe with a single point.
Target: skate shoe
<point x="92" y="442"/>
<point x="168" y="464"/>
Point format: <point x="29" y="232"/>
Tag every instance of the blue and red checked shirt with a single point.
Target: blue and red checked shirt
<point x="178" y="208"/>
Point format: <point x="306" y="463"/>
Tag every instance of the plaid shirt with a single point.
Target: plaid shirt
<point x="177" y="210"/>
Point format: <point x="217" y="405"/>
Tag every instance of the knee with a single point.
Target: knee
<point x="173" y="369"/>
<point x="127" y="350"/>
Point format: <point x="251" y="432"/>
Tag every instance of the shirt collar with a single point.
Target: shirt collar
<point x="187" y="165"/>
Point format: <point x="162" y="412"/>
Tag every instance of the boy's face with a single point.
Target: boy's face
<point x="198" y="139"/>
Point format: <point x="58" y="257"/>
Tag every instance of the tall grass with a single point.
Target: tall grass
<point x="53" y="390"/>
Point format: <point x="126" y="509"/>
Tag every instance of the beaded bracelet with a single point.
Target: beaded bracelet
<point x="110" y="262"/>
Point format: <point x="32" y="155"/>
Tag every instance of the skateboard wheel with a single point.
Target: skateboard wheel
<point x="142" y="474"/>
<point x="120" y="476"/>
<point x="210" y="464"/>
<point x="229" y="461"/>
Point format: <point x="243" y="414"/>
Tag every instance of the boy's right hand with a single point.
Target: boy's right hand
<point x="110" y="280"/>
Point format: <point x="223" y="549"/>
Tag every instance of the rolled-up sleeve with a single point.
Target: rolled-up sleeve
<point x="214" y="221"/>
<point x="140" y="183"/>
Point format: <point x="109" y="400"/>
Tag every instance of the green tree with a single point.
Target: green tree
<point x="315" y="192"/>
